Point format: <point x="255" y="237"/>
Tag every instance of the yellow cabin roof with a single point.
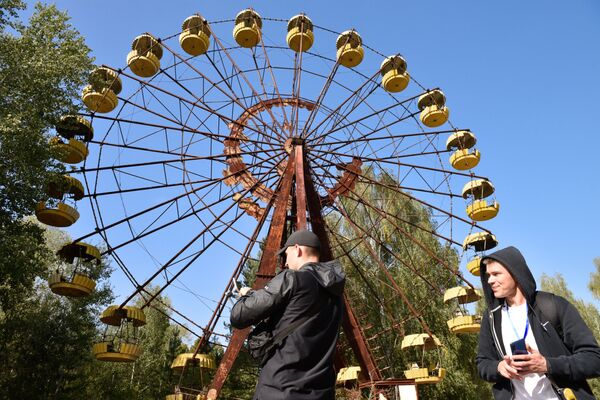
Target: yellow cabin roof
<point x="348" y="374"/>
<point x="297" y="20"/>
<point x="203" y="360"/>
<point x="433" y="97"/>
<point x="248" y="13"/>
<point x="70" y="126"/>
<point x="113" y="315"/>
<point x="195" y="23"/>
<point x="104" y="77"/>
<point x="80" y="250"/>
<point x="461" y="140"/>
<point x="464" y="294"/>
<point x="420" y="340"/>
<point x="478" y="188"/>
<point x="350" y="37"/>
<point x="396" y="62"/>
<point x="480" y="241"/>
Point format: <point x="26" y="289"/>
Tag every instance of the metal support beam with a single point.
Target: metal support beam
<point x="266" y="271"/>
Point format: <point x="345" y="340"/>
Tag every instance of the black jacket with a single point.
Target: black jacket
<point x="302" y="366"/>
<point x="570" y="361"/>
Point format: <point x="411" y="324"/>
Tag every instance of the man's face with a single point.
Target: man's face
<point x="500" y="280"/>
<point x="292" y="257"/>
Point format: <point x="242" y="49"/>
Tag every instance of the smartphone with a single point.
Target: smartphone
<point x="518" y="347"/>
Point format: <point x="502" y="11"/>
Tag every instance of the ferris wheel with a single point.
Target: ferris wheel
<point x="205" y="147"/>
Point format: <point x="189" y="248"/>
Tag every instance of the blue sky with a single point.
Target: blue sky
<point x="522" y="75"/>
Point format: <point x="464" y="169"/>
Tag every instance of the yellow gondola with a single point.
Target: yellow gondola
<point x="480" y="209"/>
<point x="101" y="94"/>
<point x="464" y="156"/>
<point x="300" y="36"/>
<point x="76" y="130"/>
<point x="247" y="30"/>
<point x="433" y="108"/>
<point x="424" y="343"/>
<point x="195" y="35"/>
<point x="463" y="322"/>
<point x="55" y="212"/>
<point x="144" y="57"/>
<point x="119" y="342"/>
<point x="350" y="52"/>
<point x="77" y="283"/>
<point x="480" y="241"/>
<point x="394" y="77"/>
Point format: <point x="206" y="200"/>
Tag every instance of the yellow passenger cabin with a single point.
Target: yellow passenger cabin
<point x="101" y="94"/>
<point x="349" y="47"/>
<point x="463" y="322"/>
<point x="185" y="360"/>
<point x="480" y="209"/>
<point x="464" y="156"/>
<point x="54" y="211"/>
<point x="433" y="108"/>
<point x="144" y="57"/>
<point x="69" y="146"/>
<point x="120" y="341"/>
<point x="348" y="376"/>
<point x="247" y="30"/>
<point x="75" y="281"/>
<point x="300" y="36"/>
<point x="194" y="38"/>
<point x="394" y="77"/>
<point x="429" y="370"/>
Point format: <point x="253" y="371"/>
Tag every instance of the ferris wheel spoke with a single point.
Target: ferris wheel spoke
<point x="369" y="139"/>
<point x="190" y="243"/>
<point x="273" y="80"/>
<point x="177" y="97"/>
<point x="375" y="257"/>
<point x="362" y="274"/>
<point x="241" y="73"/>
<point x="339" y="107"/>
<point x="236" y="100"/>
<point x="359" y="198"/>
<point x="211" y="324"/>
<point x="322" y="136"/>
<point x="213" y="182"/>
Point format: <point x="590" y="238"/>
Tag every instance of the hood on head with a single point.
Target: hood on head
<point x="329" y="275"/>
<point x="512" y="259"/>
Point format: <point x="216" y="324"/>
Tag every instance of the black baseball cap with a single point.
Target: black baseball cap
<point x="301" y="238"/>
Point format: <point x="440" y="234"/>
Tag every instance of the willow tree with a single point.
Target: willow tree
<point x="396" y="238"/>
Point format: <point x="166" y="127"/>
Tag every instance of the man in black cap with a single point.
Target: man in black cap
<point x="308" y="296"/>
<point x="532" y="344"/>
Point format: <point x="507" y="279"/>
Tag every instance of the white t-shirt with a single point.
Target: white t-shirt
<point x="533" y="386"/>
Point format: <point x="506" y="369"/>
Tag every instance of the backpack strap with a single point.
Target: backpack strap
<point x="545" y="303"/>
<point x="282" y="334"/>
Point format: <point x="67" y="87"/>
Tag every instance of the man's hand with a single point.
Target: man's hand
<point x="244" y="291"/>
<point x="530" y="363"/>
<point x="507" y="369"/>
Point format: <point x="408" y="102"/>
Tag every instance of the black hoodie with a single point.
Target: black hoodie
<point x="570" y="360"/>
<point x="302" y="366"/>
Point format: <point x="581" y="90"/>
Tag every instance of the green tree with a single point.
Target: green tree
<point x="43" y="64"/>
<point x="47" y="338"/>
<point x="394" y="228"/>
<point x="589" y="312"/>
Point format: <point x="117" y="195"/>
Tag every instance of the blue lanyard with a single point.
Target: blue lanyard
<point x="513" y="326"/>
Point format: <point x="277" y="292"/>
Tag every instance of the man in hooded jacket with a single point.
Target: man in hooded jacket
<point x="561" y="351"/>
<point x="301" y="367"/>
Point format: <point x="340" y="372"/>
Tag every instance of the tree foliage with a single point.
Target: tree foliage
<point x="394" y="242"/>
<point x="43" y="64"/>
